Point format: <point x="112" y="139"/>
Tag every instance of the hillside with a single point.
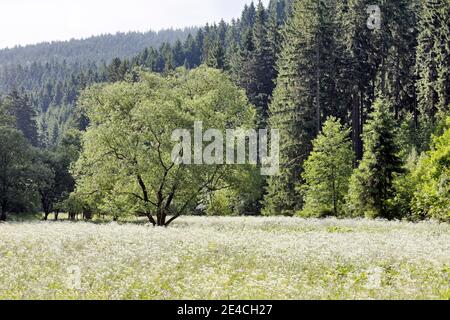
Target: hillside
<point x="94" y="49"/>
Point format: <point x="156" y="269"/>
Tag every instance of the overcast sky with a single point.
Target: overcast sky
<point x="32" y="21"/>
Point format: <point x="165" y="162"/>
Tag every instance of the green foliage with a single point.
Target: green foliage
<point x="16" y="193"/>
<point x="59" y="71"/>
<point x="94" y="49"/>
<point x="53" y="180"/>
<point x="19" y="106"/>
<point x="244" y="195"/>
<point x="74" y="206"/>
<point x="220" y="204"/>
<point x="303" y="95"/>
<point x="379" y="60"/>
<point x="216" y="56"/>
<point x="297" y="63"/>
<point x="433" y="63"/>
<point x="126" y="165"/>
<point x="404" y="186"/>
<point x="253" y="60"/>
<point x="372" y="184"/>
<point x="327" y="171"/>
<point x="432" y="175"/>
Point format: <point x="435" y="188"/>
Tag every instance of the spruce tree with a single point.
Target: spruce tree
<point x="114" y="70"/>
<point x="248" y="16"/>
<point x="328" y="171"/>
<point x="263" y="65"/>
<point x="178" y="54"/>
<point x="166" y="54"/>
<point x="372" y="184"/>
<point x="216" y="56"/>
<point x="24" y="113"/>
<point x="375" y="60"/>
<point x="358" y="64"/>
<point x="192" y="52"/>
<point x="304" y="94"/>
<point x="274" y="25"/>
<point x="433" y="58"/>
<point x="242" y="62"/>
<point x="398" y="84"/>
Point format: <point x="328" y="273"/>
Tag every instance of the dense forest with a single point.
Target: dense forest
<point x="97" y="48"/>
<point x="363" y="114"/>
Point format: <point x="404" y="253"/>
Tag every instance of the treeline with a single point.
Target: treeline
<point x="53" y="74"/>
<point x="362" y="109"/>
<point x="246" y="49"/>
<point x="32" y="179"/>
<point x="96" y="49"/>
<point x="375" y="81"/>
<point x="53" y="85"/>
<point x="47" y="90"/>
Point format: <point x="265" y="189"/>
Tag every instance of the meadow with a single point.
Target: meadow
<point x="226" y="258"/>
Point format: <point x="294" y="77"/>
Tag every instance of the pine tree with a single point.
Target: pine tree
<point x="199" y="43"/>
<point x="178" y="54"/>
<point x="216" y="56"/>
<point x="192" y="52"/>
<point x="242" y="62"/>
<point x="166" y="56"/>
<point x="263" y="66"/>
<point x="433" y="58"/>
<point x="328" y="171"/>
<point x="372" y="184"/>
<point x="24" y="114"/>
<point x="398" y="84"/>
<point x="358" y="63"/>
<point x="114" y="72"/>
<point x="304" y="94"/>
<point x="275" y="22"/>
<point x="248" y="16"/>
<point x="375" y="60"/>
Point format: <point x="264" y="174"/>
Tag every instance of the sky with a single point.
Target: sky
<point x="32" y="21"/>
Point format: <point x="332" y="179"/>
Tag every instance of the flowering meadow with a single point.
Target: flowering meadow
<point x="226" y="258"/>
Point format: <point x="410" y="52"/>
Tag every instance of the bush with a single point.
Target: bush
<point x="220" y="204"/>
<point x="432" y="193"/>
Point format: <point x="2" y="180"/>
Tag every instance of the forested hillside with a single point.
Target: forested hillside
<point x="53" y="86"/>
<point x="94" y="49"/>
<point x="374" y="99"/>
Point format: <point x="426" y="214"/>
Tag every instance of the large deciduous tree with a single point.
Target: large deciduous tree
<point x="53" y="179"/>
<point x="126" y="161"/>
<point x="15" y="163"/>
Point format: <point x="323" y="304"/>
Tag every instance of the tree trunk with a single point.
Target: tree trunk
<point x="161" y="217"/>
<point x="356" y="128"/>
<point x="318" y="113"/>
<point x="334" y="196"/>
<point x="3" y="211"/>
<point x="151" y="220"/>
<point x="87" y="214"/>
<point x="56" y="215"/>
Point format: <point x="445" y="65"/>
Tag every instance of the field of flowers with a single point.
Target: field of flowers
<point x="226" y="258"/>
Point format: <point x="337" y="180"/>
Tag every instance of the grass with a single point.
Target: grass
<point x="226" y="258"/>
